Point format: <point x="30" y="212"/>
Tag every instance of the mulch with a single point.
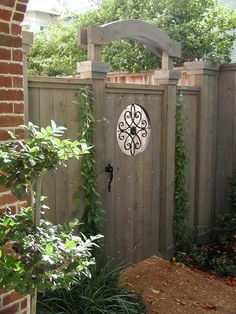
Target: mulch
<point x="170" y="288"/>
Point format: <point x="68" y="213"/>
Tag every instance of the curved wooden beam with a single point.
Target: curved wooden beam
<point x="147" y="34"/>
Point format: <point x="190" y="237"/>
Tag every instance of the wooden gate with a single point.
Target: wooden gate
<point x="132" y="201"/>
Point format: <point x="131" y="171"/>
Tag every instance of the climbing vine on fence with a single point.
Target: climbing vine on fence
<point x="181" y="231"/>
<point x="92" y="218"/>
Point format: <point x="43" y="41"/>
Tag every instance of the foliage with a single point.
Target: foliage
<point x="34" y="252"/>
<point x="220" y="255"/>
<point x="54" y="51"/>
<point x="183" y="234"/>
<point x="92" y="218"/>
<point x="101" y="294"/>
<point x="203" y="27"/>
<point x="23" y="160"/>
<point x="232" y="192"/>
<point x="44" y="257"/>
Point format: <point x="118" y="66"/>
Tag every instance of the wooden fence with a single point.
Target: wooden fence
<point x="52" y="99"/>
<point x="139" y="208"/>
<point x="226" y="134"/>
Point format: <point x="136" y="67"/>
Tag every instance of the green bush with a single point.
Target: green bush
<point x="100" y="294"/>
<point x="232" y="192"/>
<point x="45" y="257"/>
<point x="220" y="255"/>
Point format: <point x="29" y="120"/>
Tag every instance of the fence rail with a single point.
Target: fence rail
<point x="210" y="133"/>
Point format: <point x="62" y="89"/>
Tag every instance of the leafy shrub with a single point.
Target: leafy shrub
<point x="22" y="161"/>
<point x="43" y="257"/>
<point x="100" y="294"/>
<point x="35" y="254"/>
<point x="220" y="255"/>
<point x="232" y="192"/>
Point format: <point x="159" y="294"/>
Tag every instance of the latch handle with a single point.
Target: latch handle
<point x="109" y="169"/>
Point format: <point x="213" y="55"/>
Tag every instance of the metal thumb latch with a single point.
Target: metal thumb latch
<point x="109" y="169"/>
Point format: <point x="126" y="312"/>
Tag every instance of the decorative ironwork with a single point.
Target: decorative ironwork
<point x="133" y="130"/>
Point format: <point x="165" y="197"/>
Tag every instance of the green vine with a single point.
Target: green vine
<point x="92" y="217"/>
<point x="183" y="235"/>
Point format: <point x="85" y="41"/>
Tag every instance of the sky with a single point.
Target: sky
<point x="48" y="5"/>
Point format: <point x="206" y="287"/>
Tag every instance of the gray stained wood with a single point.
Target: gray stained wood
<point x="133" y="207"/>
<point x="139" y="208"/>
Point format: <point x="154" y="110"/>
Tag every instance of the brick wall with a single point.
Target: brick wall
<point x="11" y="110"/>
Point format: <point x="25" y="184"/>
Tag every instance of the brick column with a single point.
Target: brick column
<point x="11" y="110"/>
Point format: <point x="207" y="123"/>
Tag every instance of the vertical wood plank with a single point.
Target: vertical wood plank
<point x="34" y="105"/>
<point x="224" y="139"/>
<point x="61" y="179"/>
<point x="146" y="101"/>
<point x="190" y="108"/>
<point x="48" y="187"/>
<point x="156" y="148"/>
<point x="120" y="186"/>
<point x="110" y="140"/>
<point x="73" y="168"/>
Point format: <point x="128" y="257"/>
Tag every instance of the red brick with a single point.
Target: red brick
<point x="4" y="136"/>
<point x="10" y="41"/>
<point x="17" y="55"/>
<point x="5" y="54"/>
<point x="18" y="17"/>
<point x="5" y="15"/>
<point x="4" y="28"/>
<point x="11" y="309"/>
<point x="7" y="199"/>
<point x="11" y="120"/>
<point x="16" y="29"/>
<point x="17" y="82"/>
<point x="3" y="189"/>
<point x="11" y="95"/>
<point x="24" y="304"/>
<point x="6" y="108"/>
<point x="10" y="298"/>
<point x="19" y="108"/>
<point x="20" y="133"/>
<point x="8" y="3"/>
<point x="5" y="81"/>
<point x="21" y="7"/>
<point x="11" y="68"/>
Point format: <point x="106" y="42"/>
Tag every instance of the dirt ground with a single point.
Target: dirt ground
<point x="170" y="288"/>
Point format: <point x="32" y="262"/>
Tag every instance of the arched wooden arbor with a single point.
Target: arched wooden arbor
<point x="147" y="34"/>
<point x="139" y="205"/>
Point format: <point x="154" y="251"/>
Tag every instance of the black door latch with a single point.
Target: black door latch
<point x="109" y="169"/>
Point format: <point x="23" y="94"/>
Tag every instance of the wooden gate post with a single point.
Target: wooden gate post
<point x="204" y="75"/>
<point x="169" y="79"/>
<point x="97" y="72"/>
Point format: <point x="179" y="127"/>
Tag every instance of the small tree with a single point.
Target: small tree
<point x="34" y="253"/>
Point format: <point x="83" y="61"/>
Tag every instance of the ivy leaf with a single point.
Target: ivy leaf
<point x="70" y="244"/>
<point x="49" y="249"/>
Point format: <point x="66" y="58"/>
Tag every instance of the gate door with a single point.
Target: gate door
<point x="132" y="157"/>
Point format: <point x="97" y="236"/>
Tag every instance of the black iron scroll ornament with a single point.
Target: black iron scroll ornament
<point x="133" y="128"/>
